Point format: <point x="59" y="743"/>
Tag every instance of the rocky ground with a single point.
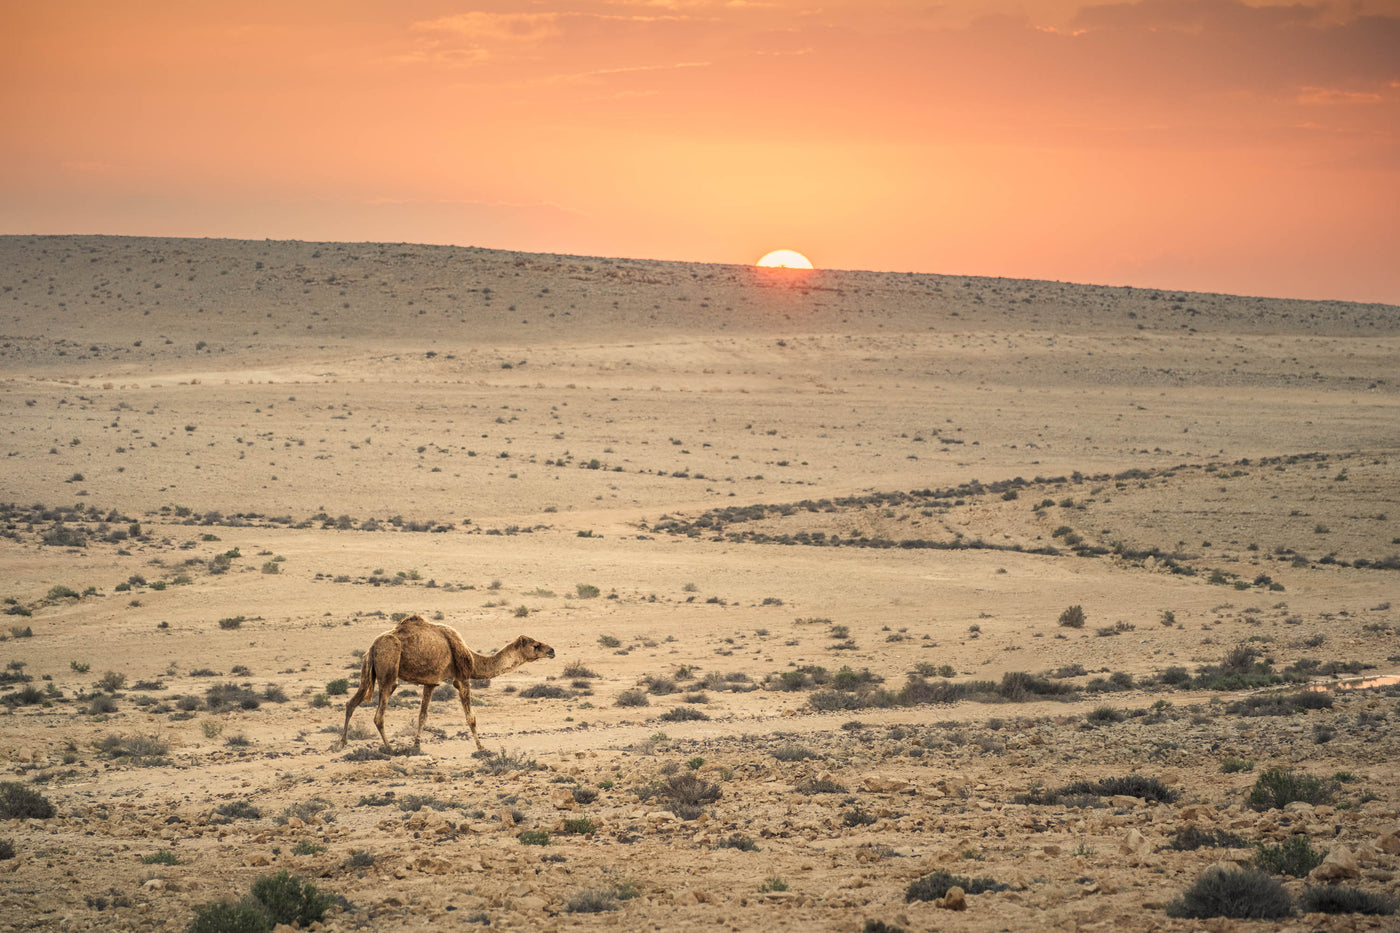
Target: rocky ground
<point x="807" y="549"/>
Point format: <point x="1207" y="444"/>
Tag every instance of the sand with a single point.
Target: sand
<point x="229" y="465"/>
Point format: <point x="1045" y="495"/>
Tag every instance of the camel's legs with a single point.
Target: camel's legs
<point x="362" y="694"/>
<point x="423" y="712"/>
<point x="386" y="690"/>
<point x="464" y="691"/>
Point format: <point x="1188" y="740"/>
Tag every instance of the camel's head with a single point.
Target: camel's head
<point x="533" y="650"/>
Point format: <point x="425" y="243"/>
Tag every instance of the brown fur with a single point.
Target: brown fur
<point x="426" y="653"/>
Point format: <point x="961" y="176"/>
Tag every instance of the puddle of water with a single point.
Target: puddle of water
<point x="1389" y="680"/>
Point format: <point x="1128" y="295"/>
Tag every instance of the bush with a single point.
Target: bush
<point x="288" y="900"/>
<point x="543" y="692"/>
<point x="686" y="794"/>
<point x="581" y="826"/>
<point x="587" y="591"/>
<point x="245" y="916"/>
<point x="738" y="841"/>
<point x="1295" y="857"/>
<point x="1276" y="788"/>
<point x="533" y="837"/>
<point x="1235" y="893"/>
<point x="275" y="899"/>
<point x="1193" y="837"/>
<point x="633" y="698"/>
<point x="684" y="714"/>
<point x="1073" y="617"/>
<point x="933" y="886"/>
<point x="338" y="687"/>
<point x="18" y="802"/>
<point x="1342" y="900"/>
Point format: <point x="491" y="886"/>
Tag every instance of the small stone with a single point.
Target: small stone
<point x="563" y="799"/>
<point x="954" y="899"/>
<point x="1051" y="850"/>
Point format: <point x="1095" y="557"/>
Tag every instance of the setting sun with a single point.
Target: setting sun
<point x="785" y="259"/>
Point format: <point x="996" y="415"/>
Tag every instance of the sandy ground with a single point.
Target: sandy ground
<point x="229" y="465"/>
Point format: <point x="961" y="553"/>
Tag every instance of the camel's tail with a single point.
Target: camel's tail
<point x="367" y="677"/>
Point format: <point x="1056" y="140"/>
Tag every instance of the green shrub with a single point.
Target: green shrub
<point x="684" y="714"/>
<point x="687" y="793"/>
<point x="1235" y="893"/>
<point x="582" y="826"/>
<point x="1336" y="899"/>
<point x="738" y="841"/>
<point x="288" y="900"/>
<point x="245" y="916"/>
<point x="1276" y="788"/>
<point x="772" y="883"/>
<point x="18" y="802"/>
<point x="1236" y="765"/>
<point x="163" y="857"/>
<point x="338" y="687"/>
<point x="933" y="886"/>
<point x="1294" y="856"/>
<point x="533" y="837"/>
<point x="587" y="591"/>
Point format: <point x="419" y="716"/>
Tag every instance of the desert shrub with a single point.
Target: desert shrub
<point x="1129" y="785"/>
<point x="1073" y="617"/>
<point x="585" y="795"/>
<point x="303" y="847"/>
<point x="533" y="837"/>
<point x="504" y="762"/>
<point x="338" y="687"/>
<point x="576" y="669"/>
<point x="791" y="751"/>
<point x="580" y="826"/>
<point x="587" y="591"/>
<point x="18" y="802"/>
<point x="684" y="714"/>
<point x="597" y="900"/>
<point x="738" y="841"/>
<point x="687" y="794"/>
<point x="544" y="692"/>
<point x="141" y="750"/>
<point x="161" y="857"/>
<point x="634" y="697"/>
<point x="1193" y="837"/>
<point x="245" y="916"/>
<point x="936" y="884"/>
<point x="289" y="900"/>
<point x="609" y="641"/>
<point x="1276" y="788"/>
<point x="229" y="695"/>
<point x="101" y="705"/>
<point x="820" y="786"/>
<point x="1239" y="894"/>
<point x="857" y="817"/>
<point x="1337" y="899"/>
<point x="111" y="682"/>
<point x="1236" y="765"/>
<point x="235" y="810"/>
<point x="7" y="850"/>
<point x="1020" y="686"/>
<point x="1103" y="715"/>
<point x="1295" y="856"/>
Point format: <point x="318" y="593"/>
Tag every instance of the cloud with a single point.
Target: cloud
<point x="508" y="27"/>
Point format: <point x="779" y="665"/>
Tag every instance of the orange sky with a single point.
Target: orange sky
<point x="1212" y="145"/>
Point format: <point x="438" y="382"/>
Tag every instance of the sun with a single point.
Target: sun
<point x="785" y="259"/>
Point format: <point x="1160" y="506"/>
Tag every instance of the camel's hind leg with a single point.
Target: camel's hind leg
<point x="387" y="686"/>
<point x="464" y="692"/>
<point x="423" y="713"/>
<point x="362" y="694"/>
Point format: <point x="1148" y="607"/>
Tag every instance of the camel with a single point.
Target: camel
<point x="426" y="653"/>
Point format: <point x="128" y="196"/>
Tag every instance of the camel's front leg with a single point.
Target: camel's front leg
<point x="464" y="691"/>
<point x="423" y="713"/>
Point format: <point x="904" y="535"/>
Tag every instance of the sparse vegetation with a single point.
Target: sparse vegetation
<point x="1239" y="894"/>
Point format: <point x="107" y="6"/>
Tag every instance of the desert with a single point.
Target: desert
<point x="877" y="600"/>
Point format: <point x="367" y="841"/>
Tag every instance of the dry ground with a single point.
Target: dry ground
<point x="229" y="465"/>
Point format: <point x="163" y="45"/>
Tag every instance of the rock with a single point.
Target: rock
<point x="878" y="785"/>
<point x="1198" y="813"/>
<point x="530" y="903"/>
<point x="431" y="865"/>
<point x="1339" y="865"/>
<point x="258" y="861"/>
<point x="1135" y="844"/>
<point x="1123" y="801"/>
<point x="563" y="798"/>
<point x="954" y="899"/>
<point x="1389" y="843"/>
<point x="1051" y="851"/>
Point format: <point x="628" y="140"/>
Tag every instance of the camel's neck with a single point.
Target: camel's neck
<point x="486" y="666"/>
